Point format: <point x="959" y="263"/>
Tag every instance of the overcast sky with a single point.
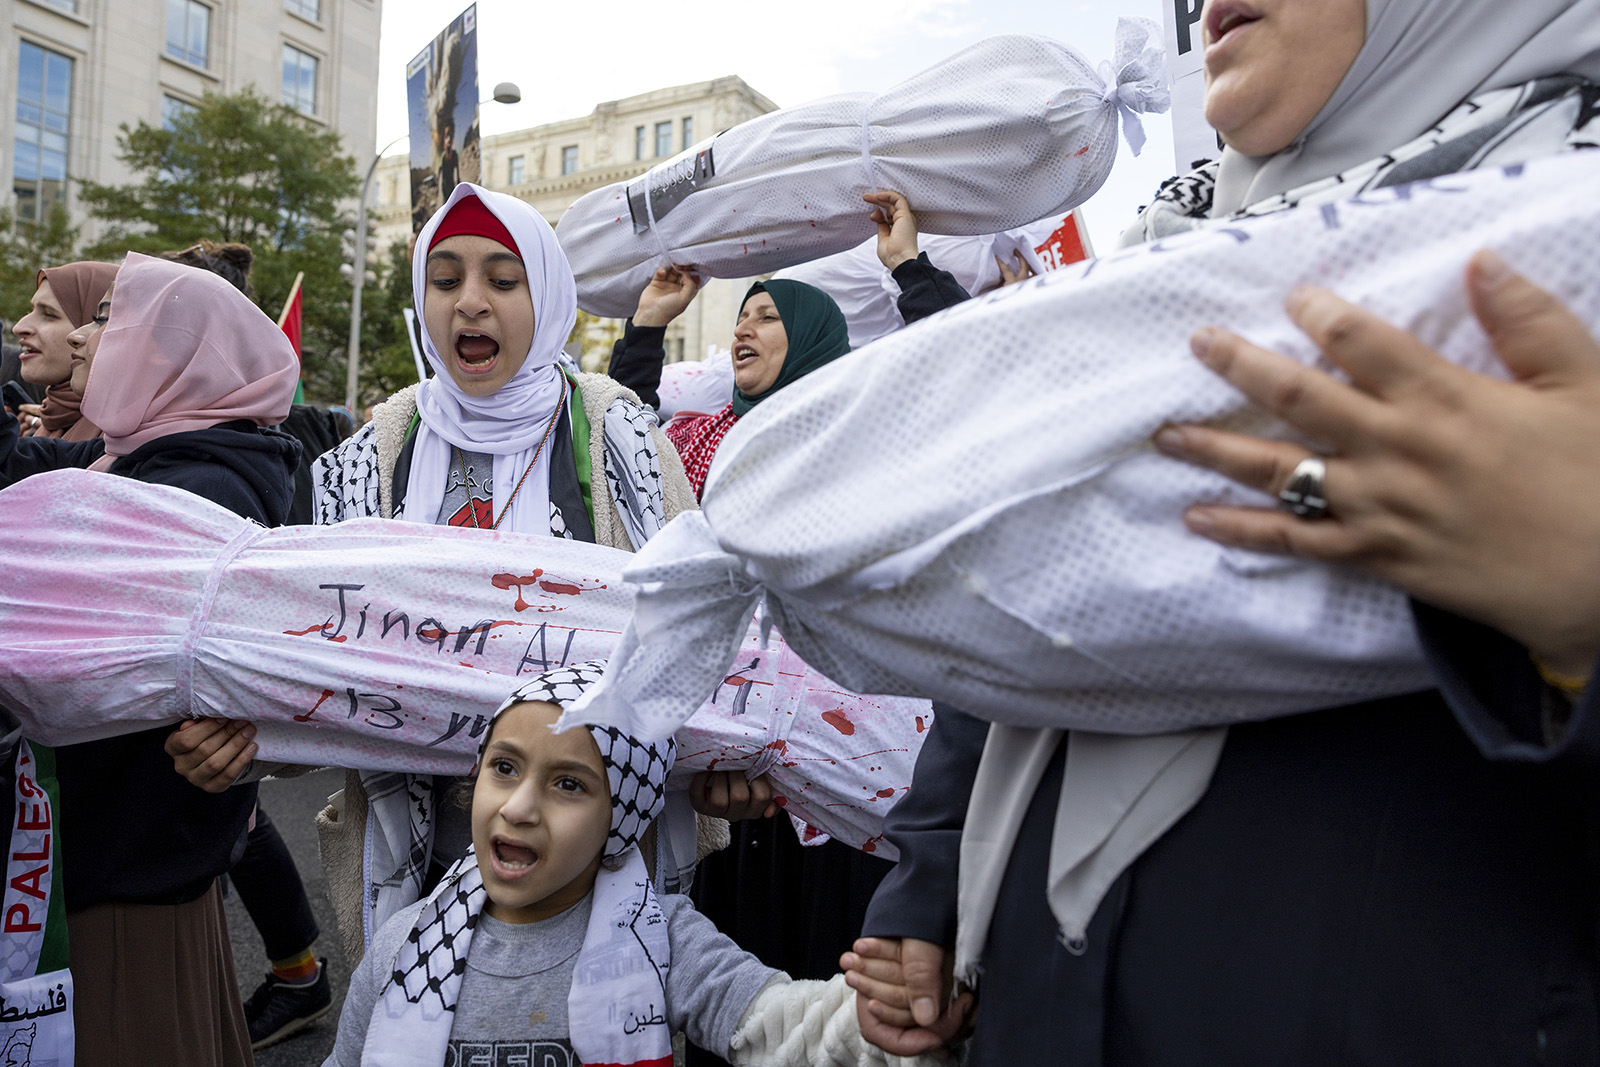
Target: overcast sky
<point x="569" y="56"/>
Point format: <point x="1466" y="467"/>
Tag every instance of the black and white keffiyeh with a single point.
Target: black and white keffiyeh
<point x="637" y="771"/>
<point x="621" y="970"/>
<point x="1513" y="125"/>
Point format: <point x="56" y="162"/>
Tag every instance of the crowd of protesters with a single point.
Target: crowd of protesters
<point x="1411" y="880"/>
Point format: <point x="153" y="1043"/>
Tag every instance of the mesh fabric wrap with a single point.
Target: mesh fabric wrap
<point x="970" y="509"/>
<point x="1003" y="133"/>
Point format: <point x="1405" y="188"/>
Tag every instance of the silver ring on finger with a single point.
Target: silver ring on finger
<point x="1304" y="496"/>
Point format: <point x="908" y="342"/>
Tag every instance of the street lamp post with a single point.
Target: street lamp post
<point x="504" y="93"/>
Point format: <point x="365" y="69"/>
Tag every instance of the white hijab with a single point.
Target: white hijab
<point x="509" y="423"/>
<point x="1421" y="58"/>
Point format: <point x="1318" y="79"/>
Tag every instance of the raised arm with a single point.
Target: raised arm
<point x="924" y="289"/>
<point x="638" y="355"/>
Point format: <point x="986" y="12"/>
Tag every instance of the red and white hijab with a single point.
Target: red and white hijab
<point x="509" y="423"/>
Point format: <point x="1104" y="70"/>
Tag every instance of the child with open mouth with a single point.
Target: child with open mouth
<point x="547" y="942"/>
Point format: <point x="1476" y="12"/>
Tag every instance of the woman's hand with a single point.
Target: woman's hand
<point x="897" y="228"/>
<point x="903" y="994"/>
<point x="212" y="753"/>
<point x="1012" y="277"/>
<point x="1479" y="496"/>
<point x="730" y="795"/>
<point x="30" y="417"/>
<point x="665" y="298"/>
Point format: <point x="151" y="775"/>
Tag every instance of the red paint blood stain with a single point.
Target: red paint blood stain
<point x="326" y="693"/>
<point x="837" y="720"/>
<point x="509" y="581"/>
<point x="780" y="746"/>
<point x="340" y="639"/>
<point x="1080" y="152"/>
<point x="870" y="844"/>
<point x="432" y="634"/>
<point x="920" y="727"/>
<point x="561" y="588"/>
<point x="886" y="793"/>
<point x="782" y="802"/>
<point x="308" y="630"/>
<point x="811" y="832"/>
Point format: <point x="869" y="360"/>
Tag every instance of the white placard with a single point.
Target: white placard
<point x="1193" y="139"/>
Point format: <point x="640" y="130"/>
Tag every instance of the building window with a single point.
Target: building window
<point x="306" y="9"/>
<point x="638" y="142"/>
<point x="516" y="171"/>
<point x="569" y="159"/>
<point x="173" y="109"/>
<point x="663" y="138"/>
<point x="44" y="104"/>
<point x="299" y="80"/>
<point x="188" y="31"/>
<point x="69" y="6"/>
<point x="688" y="131"/>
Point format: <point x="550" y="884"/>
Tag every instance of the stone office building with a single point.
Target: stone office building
<point x="76" y="70"/>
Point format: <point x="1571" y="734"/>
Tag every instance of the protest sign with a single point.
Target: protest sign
<point x="1193" y="139"/>
<point x="442" y="108"/>
<point x="36" y="994"/>
<point x="378" y="644"/>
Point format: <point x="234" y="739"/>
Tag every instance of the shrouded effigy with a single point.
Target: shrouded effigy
<point x="1006" y="132"/>
<point x="1012" y="544"/>
<point x="378" y="645"/>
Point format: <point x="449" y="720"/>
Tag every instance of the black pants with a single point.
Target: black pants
<point x="269" y="886"/>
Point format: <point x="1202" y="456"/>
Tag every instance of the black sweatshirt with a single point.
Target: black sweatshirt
<point x="132" y="829"/>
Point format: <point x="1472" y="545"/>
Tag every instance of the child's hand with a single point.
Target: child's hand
<point x="900" y="984"/>
<point x="730" y="795"/>
<point x="211" y="753"/>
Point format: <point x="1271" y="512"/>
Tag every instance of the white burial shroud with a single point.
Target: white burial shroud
<point x="379" y="645"/>
<point x="1005" y="132"/>
<point x="970" y="509"/>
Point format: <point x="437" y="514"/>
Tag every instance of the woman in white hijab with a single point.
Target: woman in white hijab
<point x="1359" y="885"/>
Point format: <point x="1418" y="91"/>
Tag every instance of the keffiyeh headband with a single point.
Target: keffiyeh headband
<point x="412" y="1020"/>
<point x="637" y="771"/>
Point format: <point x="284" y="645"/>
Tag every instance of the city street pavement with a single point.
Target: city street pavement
<point x="293" y="804"/>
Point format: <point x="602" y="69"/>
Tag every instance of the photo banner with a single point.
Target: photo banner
<point x="442" y="108"/>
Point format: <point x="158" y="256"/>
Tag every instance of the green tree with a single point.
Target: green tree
<point x="386" y="361"/>
<point x="24" y="248"/>
<point x="241" y="168"/>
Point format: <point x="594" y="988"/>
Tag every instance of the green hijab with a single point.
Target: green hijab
<point x="817" y="333"/>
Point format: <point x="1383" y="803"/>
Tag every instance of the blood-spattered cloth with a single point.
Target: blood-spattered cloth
<point x="1008" y="131"/>
<point x="378" y="644"/>
<point x="1013" y="545"/>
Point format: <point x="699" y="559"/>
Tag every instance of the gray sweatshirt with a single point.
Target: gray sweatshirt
<point x="513" y="1002"/>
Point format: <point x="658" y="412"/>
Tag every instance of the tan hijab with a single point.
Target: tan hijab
<point x="78" y="288"/>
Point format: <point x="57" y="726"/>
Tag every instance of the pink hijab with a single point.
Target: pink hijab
<point x="184" y="350"/>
